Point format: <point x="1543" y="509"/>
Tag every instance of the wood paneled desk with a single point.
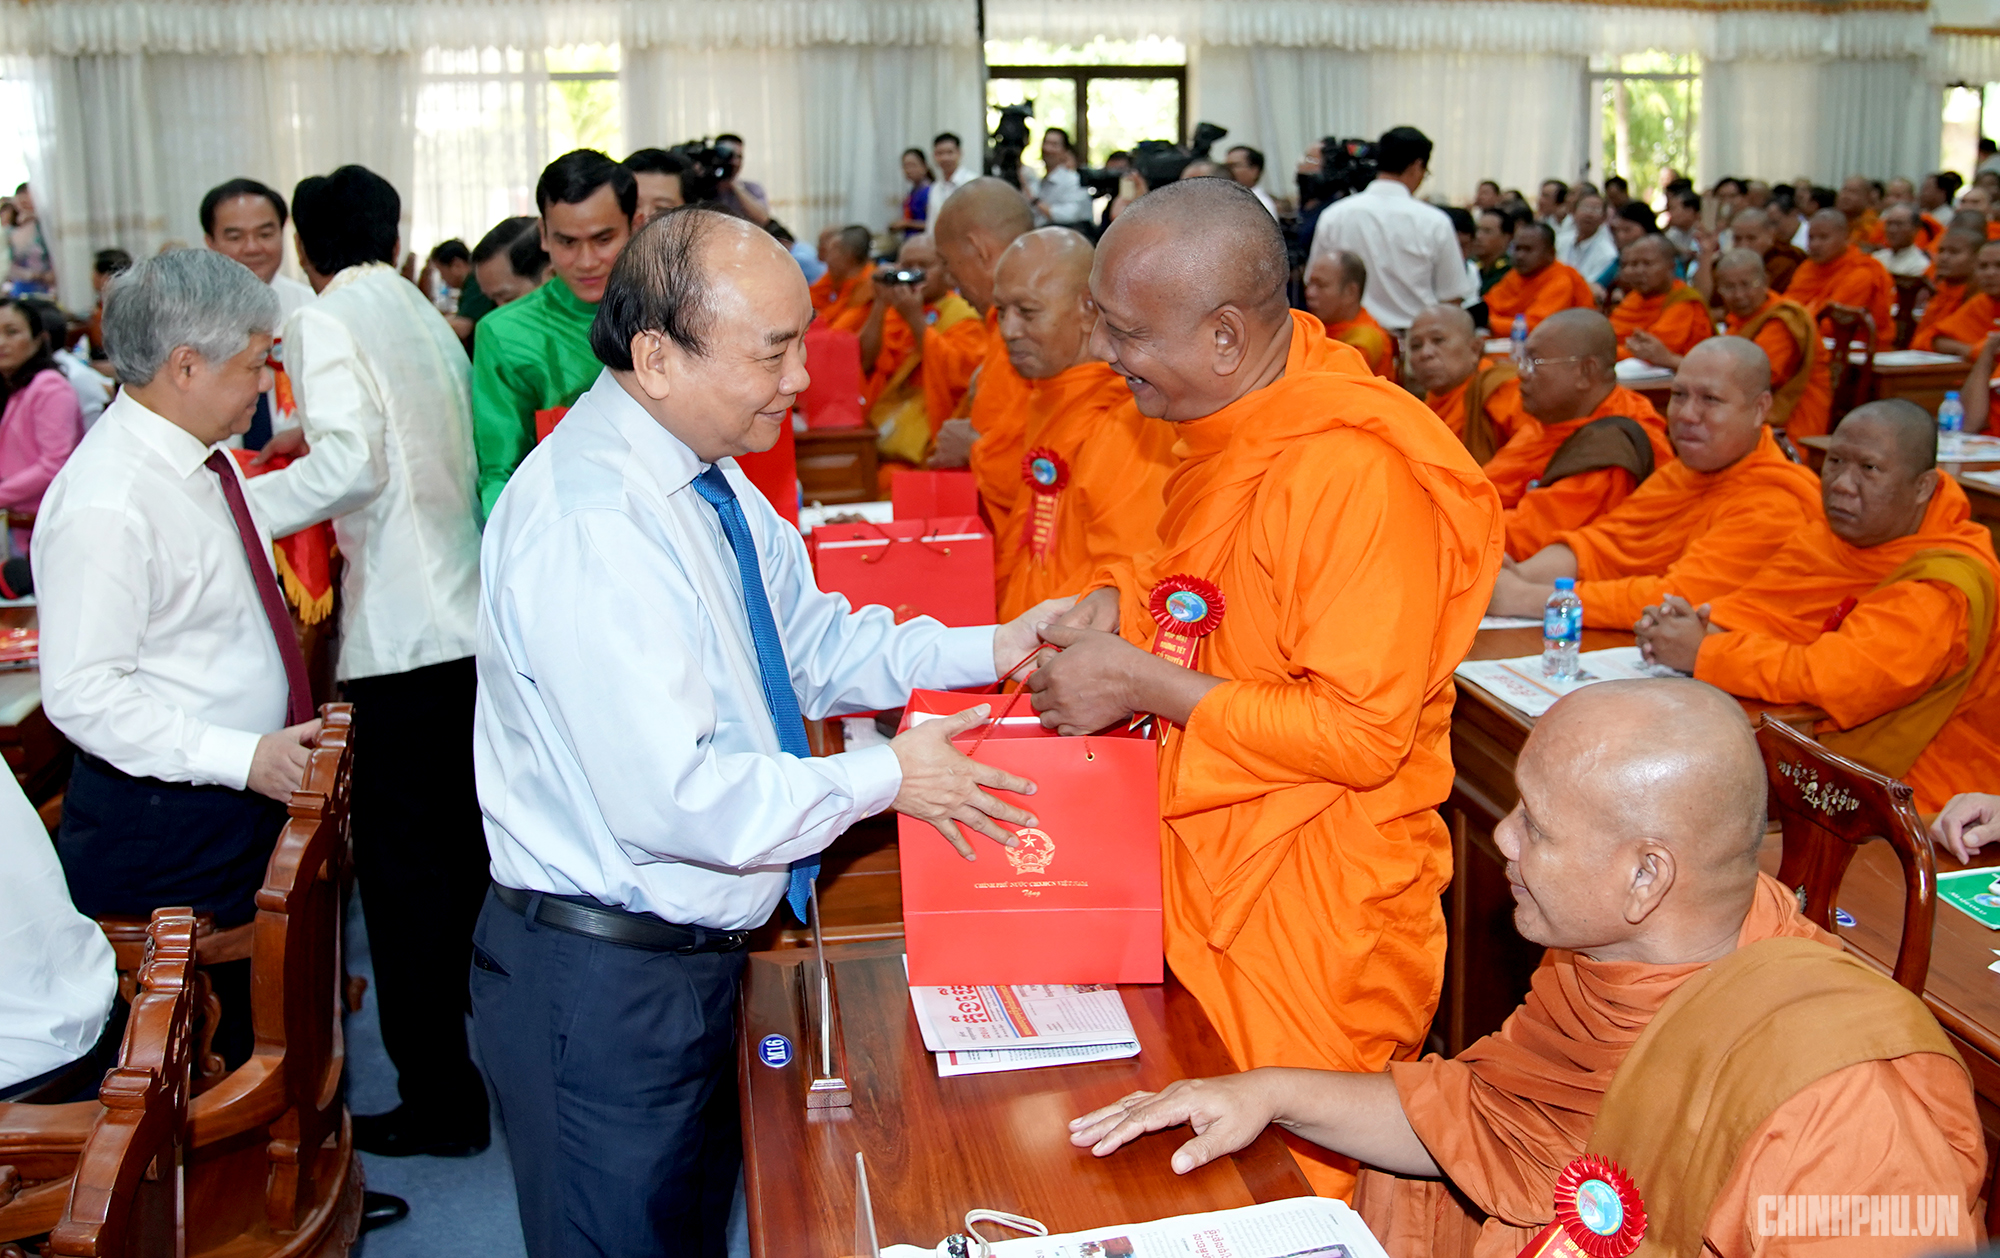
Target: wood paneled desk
<point x="939" y="1147"/>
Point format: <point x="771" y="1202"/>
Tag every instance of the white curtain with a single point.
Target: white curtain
<point x="480" y="140"/>
<point x="1777" y="120"/>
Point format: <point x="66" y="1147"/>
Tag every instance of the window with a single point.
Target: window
<point x="1643" y="118"/>
<point x="1108" y="95"/>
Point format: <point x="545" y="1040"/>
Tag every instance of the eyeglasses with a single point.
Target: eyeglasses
<point x="1528" y="365"/>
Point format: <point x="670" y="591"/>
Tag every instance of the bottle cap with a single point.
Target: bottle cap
<point x="1951" y="395"/>
<point x="1565" y="583"/>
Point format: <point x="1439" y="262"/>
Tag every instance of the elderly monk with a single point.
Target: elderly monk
<point x="842" y="296"/>
<point x="1838" y="278"/>
<point x="1661" y="317"/>
<point x="1335" y="283"/>
<point x="1957" y="252"/>
<point x="1882" y="614"/>
<point x="1964" y="330"/>
<point x="1687" y="1022"/>
<point x="1588" y="441"/>
<point x="973" y="228"/>
<point x="1702" y="525"/>
<point x="1538" y="285"/>
<point x="1347" y="543"/>
<point x="1095" y="468"/>
<point x="1855" y="201"/>
<point x="1480" y="404"/>
<point x="1752" y="230"/>
<point x="919" y="345"/>
<point x="1801" y="392"/>
<point x="1895" y="245"/>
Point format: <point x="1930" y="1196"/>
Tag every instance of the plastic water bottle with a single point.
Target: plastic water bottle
<point x="1520" y="339"/>
<point x="1562" y="631"/>
<point x="1951" y="413"/>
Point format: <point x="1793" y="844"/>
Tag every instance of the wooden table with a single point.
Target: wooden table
<point x="1925" y="383"/>
<point x="32" y="747"/>
<point x="838" y="465"/>
<point x="939" y="1147"/>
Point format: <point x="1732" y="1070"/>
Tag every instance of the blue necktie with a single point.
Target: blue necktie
<point x="260" y="425"/>
<point x="716" y="490"/>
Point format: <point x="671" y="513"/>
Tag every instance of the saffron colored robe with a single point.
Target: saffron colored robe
<point x="1501" y="405"/>
<point x="1678" y="317"/>
<point x="1356" y="544"/>
<point x="1790" y="339"/>
<point x="1696" y="534"/>
<point x="1944" y="302"/>
<point x="1109" y="509"/>
<point x="954" y="346"/>
<point x="1895" y="644"/>
<point x="1556" y="287"/>
<point x="1505" y="1116"/>
<point x="1969" y="324"/>
<point x="1371" y="339"/>
<point x="1536" y="514"/>
<point x="999" y="414"/>
<point x="843" y="305"/>
<point x="1852" y="279"/>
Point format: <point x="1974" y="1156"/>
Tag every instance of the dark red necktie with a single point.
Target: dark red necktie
<point x="300" y="708"/>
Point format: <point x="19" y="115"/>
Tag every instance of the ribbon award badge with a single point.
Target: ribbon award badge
<point x="1187" y="609"/>
<point x="1046" y="474"/>
<point x="1598" y="1214"/>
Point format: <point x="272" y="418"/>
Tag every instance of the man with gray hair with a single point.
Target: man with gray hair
<point x="167" y="654"/>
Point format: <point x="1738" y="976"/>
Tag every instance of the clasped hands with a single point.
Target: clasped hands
<point x="1093" y="678"/>
<point x="1671" y="633"/>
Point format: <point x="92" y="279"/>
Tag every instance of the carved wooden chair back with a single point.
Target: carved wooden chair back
<point x="1853" y="383"/>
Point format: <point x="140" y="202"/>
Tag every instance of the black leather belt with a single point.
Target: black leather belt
<point x="579" y="915"/>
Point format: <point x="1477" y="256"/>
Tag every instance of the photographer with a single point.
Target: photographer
<point x="734" y="194"/>
<point x="1059" y="196"/>
<point x="919" y="346"/>
<point x="1409" y="248"/>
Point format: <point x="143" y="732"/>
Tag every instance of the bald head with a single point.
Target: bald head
<point x="1335" y="284"/>
<point x="1741" y="282"/>
<point x="1955" y="252"/>
<point x="1642" y="809"/>
<point x="848" y="251"/>
<point x="1880" y="472"/>
<point x="973" y="227"/>
<point x="1042" y="290"/>
<point x="1582" y="332"/>
<point x="1720" y="399"/>
<point x="1441" y="349"/>
<point x="1579" y="352"/>
<point x="1826" y="236"/>
<point x="1190" y="289"/>
<point x="1753" y="230"/>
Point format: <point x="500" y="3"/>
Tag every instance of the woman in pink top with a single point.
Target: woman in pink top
<point x="41" y="423"/>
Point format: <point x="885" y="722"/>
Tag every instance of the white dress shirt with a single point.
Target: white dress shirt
<point x="92" y="387"/>
<point x="1905" y="263"/>
<point x="155" y="652"/>
<point x="382" y="383"/>
<point x="1590" y="257"/>
<point x="941" y="190"/>
<point x="1408" y="246"/>
<point x="1264" y="199"/>
<point x="60" y="978"/>
<point x="292" y="298"/>
<point x="623" y="745"/>
<point x="1068" y="201"/>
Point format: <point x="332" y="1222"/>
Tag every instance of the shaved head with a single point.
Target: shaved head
<point x="1720" y="398"/>
<point x="1335" y="283"/>
<point x="1042" y="291"/>
<point x="1955" y="252"/>
<point x="1442" y="348"/>
<point x="1583" y="332"/>
<point x="1580" y="353"/>
<point x="1190" y="290"/>
<point x="1880" y="472"/>
<point x="1826" y="236"/>
<point x="1745" y="362"/>
<point x="1753" y="230"/>
<point x="1641" y="813"/>
<point x="1647" y="265"/>
<point x="978" y="222"/>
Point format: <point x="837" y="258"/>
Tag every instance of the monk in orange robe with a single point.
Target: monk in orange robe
<point x="1334" y="284"/>
<point x="1703" y="524"/>
<point x="1538" y="285"/>
<point x="1802" y="391"/>
<point x="1341" y="543"/>
<point x="1882" y="615"/>
<point x="1608" y="437"/>
<point x="1480" y="404"/>
<point x="841" y="297"/>
<point x="1661" y="318"/>
<point x="1951" y="282"/>
<point x="1617" y="781"/>
<point x="1095" y="468"/>
<point x="1753" y="230"/>
<point x="920" y="344"/>
<point x="1839" y="277"/>
<point x="1965" y="329"/>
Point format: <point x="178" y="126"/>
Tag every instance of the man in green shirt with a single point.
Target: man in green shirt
<point x="532" y="357"/>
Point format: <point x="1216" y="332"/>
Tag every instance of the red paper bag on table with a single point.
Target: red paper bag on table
<point x="923" y="495"/>
<point x="1079" y="900"/>
<point x="776" y="473"/>
<point x="941" y="567"/>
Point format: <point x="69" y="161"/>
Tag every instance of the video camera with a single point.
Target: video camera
<point x="1345" y="168"/>
<point x="1158" y="162"/>
<point x="1008" y="141"/>
<point x="708" y="166"/>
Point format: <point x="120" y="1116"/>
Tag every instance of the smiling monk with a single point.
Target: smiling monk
<point x="1338" y="542"/>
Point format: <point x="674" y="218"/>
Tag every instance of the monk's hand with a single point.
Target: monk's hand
<point x="946" y="788"/>
<point x="1020" y="637"/>
<point x="1226" y="1114"/>
<point x="1091" y="684"/>
<point x="1671" y="633"/>
<point x="954" y="445"/>
<point x="1095" y="610"/>
<point x="906" y="300"/>
<point x="1966" y="824"/>
<point x="1644" y="344"/>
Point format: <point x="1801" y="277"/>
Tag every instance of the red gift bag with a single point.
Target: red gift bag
<point x="941" y="568"/>
<point x="923" y="495"/>
<point x="1079" y="900"/>
<point x="776" y="472"/>
<point x="833" y="399"/>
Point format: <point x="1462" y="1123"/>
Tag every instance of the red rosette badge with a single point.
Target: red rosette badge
<point x="1187" y="609"/>
<point x="1598" y="1213"/>
<point x="1045" y="474"/>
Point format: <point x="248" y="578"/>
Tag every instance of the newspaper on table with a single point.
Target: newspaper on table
<point x="1520" y="685"/>
<point x="980" y="1030"/>
<point x="1990" y="479"/>
<point x="1299" y="1227"/>
<point x="1967" y="447"/>
<point x="1509" y="622"/>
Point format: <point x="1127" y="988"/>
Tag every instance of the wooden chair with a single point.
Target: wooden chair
<point x="125" y="1200"/>
<point x="1911" y="292"/>
<point x="1853" y="383"/>
<point x="1828" y="806"/>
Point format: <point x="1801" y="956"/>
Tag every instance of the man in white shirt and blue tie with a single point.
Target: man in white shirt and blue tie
<point x="650" y="637"/>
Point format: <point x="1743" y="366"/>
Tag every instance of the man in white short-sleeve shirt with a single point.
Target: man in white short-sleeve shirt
<point x="1408" y="246"/>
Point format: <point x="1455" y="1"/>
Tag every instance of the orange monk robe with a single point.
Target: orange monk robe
<point x="1852" y="279"/>
<point x="1503" y="407"/>
<point x="1790" y="339"/>
<point x="1678" y="317"/>
<point x="1554" y="288"/>
<point x="1896" y="643"/>
<point x="999" y="414"/>
<point x="1369" y="337"/>
<point x="845" y="305"/>
<point x="1109" y="509"/>
<point x="1535" y="515"/>
<point x="1969" y="324"/>
<point x="1867" y="230"/>
<point x="1944" y="302"/>
<point x="1504" y="1117"/>
<point x="1356" y="543"/>
<point x="953" y="350"/>
<point x="1928" y="231"/>
<point x="1696" y="534"/>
